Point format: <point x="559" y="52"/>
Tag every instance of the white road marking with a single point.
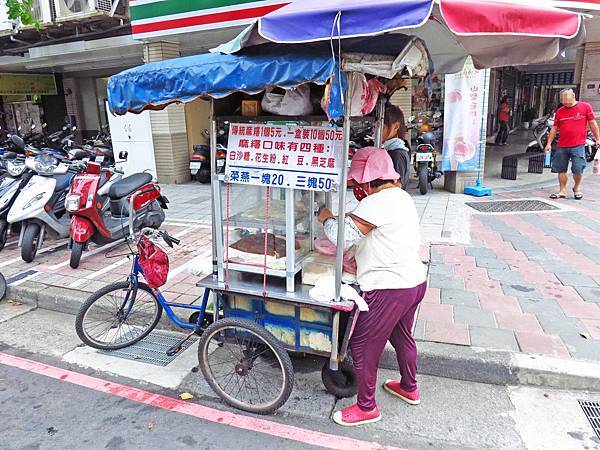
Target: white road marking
<point x="27" y="278"/>
<point x="40" y="252"/>
<point x="86" y="254"/>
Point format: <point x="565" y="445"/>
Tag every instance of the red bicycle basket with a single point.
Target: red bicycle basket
<point x="154" y="262"/>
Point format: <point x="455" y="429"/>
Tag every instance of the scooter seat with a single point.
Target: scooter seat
<point x="63" y="181"/>
<point x="129" y="185"/>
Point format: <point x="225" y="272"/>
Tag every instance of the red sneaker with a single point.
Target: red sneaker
<point x="393" y="387"/>
<point x="353" y="416"/>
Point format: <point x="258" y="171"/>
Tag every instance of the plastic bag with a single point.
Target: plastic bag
<point x="154" y="262"/>
<point x="295" y="102"/>
<point x="374" y="88"/>
<point x="325" y="247"/>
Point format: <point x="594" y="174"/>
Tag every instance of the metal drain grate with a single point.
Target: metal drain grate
<point x="592" y="412"/>
<point x="508" y="206"/>
<point x="153" y="348"/>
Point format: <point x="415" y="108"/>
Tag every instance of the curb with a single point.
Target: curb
<point x="435" y="359"/>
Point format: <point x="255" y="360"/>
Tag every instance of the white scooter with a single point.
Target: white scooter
<point x="40" y="206"/>
<point x="10" y="184"/>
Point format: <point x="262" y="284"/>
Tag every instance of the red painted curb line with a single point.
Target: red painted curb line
<point x="191" y="409"/>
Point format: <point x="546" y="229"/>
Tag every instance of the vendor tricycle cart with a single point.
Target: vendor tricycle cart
<point x="263" y="205"/>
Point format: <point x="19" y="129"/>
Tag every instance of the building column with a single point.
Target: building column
<point x="590" y="77"/>
<point x="169" y="132"/>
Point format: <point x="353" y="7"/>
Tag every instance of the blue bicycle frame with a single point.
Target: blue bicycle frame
<point x="134" y="276"/>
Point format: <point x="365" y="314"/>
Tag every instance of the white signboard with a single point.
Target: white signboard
<point x="465" y="110"/>
<point x="287" y="156"/>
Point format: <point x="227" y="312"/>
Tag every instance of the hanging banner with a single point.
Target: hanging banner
<point x="27" y="84"/>
<point x="287" y="156"/>
<point x="465" y="110"/>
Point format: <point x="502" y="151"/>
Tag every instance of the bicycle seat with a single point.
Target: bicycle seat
<point x="129" y="185"/>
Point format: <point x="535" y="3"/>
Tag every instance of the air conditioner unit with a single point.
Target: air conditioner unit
<point x="75" y="9"/>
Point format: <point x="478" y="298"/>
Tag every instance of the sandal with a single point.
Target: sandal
<point x="559" y="195"/>
<point x="578" y="195"/>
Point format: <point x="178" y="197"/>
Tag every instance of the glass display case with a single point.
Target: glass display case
<point x="248" y="212"/>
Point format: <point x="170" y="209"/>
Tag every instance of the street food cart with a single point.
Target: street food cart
<point x="280" y="170"/>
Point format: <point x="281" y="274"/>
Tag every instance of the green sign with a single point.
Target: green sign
<point x="27" y="84"/>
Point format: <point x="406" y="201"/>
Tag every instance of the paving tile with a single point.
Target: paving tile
<point x="437" y="312"/>
<point x="593" y="327"/>
<point x="450" y="333"/>
<point x="480" y="252"/>
<point x="491" y="263"/>
<point x="459" y="297"/>
<point x="493" y="338"/>
<point x="506" y="276"/>
<point x="577" y="280"/>
<point x="474" y="316"/>
<point x="581" y="310"/>
<point x="419" y="330"/>
<point x="520" y="290"/>
<point x="540" y="306"/>
<point x="441" y="269"/>
<point x="432" y="295"/>
<point x="489" y="287"/>
<point x="542" y="343"/>
<point x="500" y="303"/>
<point x="518" y="322"/>
<point x="444" y="281"/>
<point x="591" y="295"/>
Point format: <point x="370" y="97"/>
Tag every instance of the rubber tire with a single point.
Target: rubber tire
<point x="423" y="178"/>
<point x="340" y="383"/>
<point x="28" y="248"/>
<point x="286" y="363"/>
<point x="3" y="287"/>
<point x="118" y="286"/>
<point x="4" y="226"/>
<point x="590" y="153"/>
<point x="76" y="252"/>
<point x="203" y="176"/>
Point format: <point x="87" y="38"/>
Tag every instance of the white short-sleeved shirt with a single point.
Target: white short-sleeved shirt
<point x="388" y="256"/>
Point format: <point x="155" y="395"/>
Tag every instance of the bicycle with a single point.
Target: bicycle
<point x="244" y="363"/>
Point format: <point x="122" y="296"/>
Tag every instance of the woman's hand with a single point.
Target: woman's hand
<point x="324" y="214"/>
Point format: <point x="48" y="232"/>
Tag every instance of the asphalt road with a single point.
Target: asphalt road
<point x="65" y="397"/>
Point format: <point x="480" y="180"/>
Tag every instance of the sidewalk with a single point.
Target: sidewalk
<point x="506" y="290"/>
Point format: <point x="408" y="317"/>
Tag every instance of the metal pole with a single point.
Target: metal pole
<point x="379" y="112"/>
<point x="213" y="163"/>
<point x="339" y="261"/>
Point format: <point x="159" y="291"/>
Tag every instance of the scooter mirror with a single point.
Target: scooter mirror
<point x="123" y="155"/>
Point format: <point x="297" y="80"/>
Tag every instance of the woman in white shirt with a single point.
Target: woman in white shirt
<point x="384" y="229"/>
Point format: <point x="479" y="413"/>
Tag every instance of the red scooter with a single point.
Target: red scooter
<point x="99" y="206"/>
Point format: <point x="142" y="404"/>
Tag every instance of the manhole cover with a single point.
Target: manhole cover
<point x="507" y="206"/>
<point x="153" y="348"/>
<point x="592" y="412"/>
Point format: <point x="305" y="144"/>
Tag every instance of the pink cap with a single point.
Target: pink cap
<point x="372" y="163"/>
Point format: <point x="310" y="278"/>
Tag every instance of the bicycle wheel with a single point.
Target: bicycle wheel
<point x="246" y="365"/>
<point x="117" y="316"/>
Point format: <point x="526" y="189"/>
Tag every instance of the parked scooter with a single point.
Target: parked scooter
<point x="40" y="205"/>
<point x="542" y="130"/>
<point x="425" y="155"/>
<point x="11" y="183"/>
<point x="99" y="206"/>
<point x="200" y="159"/>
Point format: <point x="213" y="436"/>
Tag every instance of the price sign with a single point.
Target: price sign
<point x="287" y="156"/>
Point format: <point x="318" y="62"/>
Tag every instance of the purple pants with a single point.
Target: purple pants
<point x="390" y="317"/>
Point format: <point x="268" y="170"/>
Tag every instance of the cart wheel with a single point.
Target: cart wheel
<point x="2" y="287"/>
<point x="245" y="365"/>
<point x="342" y="382"/>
